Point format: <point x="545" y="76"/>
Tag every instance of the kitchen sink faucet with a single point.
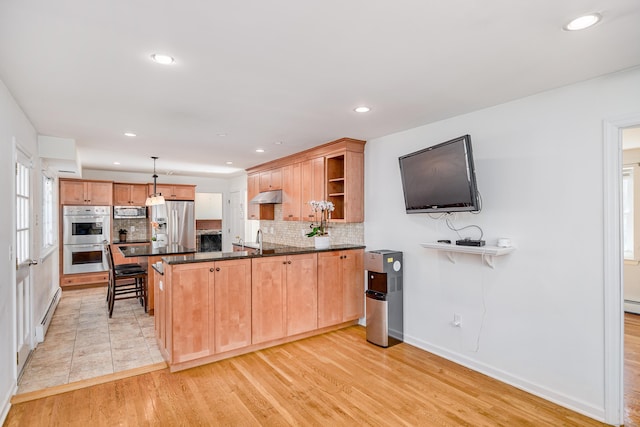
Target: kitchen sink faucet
<point x="259" y="239"/>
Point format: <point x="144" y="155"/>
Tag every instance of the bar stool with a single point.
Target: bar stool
<point x="125" y="282"/>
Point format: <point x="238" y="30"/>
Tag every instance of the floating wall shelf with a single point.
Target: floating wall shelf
<point x="487" y="252"/>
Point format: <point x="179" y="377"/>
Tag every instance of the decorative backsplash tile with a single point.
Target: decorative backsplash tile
<point x="293" y="232"/>
<point x="136" y="229"/>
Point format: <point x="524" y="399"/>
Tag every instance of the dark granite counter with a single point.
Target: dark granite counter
<point x="150" y="250"/>
<point x="127" y="242"/>
<point x="268" y="249"/>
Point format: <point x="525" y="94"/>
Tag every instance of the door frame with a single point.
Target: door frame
<point x="16" y="149"/>
<point x="613" y="267"/>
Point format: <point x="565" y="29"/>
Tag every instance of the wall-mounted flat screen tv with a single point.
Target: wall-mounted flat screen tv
<point x="440" y="178"/>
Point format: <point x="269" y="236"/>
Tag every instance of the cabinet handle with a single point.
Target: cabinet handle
<point x="217" y="268"/>
<point x="288" y="262"/>
<point x="211" y="269"/>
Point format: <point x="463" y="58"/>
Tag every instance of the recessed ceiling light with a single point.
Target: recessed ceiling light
<point x="278" y="142"/>
<point x="229" y="163"/>
<point x="116" y="163"/>
<point x="129" y="134"/>
<point x="362" y="109"/>
<point x="583" y="22"/>
<point x="260" y="150"/>
<point x="163" y="59"/>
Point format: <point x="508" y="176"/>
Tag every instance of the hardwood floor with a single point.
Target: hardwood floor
<point x="329" y="380"/>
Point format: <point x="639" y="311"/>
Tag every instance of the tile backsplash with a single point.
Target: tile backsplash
<point x="293" y="232"/>
<point x="137" y="229"/>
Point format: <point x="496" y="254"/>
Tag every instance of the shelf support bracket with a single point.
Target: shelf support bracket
<point x="451" y="256"/>
<point x="489" y="259"/>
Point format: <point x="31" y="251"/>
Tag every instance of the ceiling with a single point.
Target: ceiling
<point x="285" y="75"/>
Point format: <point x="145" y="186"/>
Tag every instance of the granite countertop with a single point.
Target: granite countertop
<point x="127" y="242"/>
<point x="268" y="249"/>
<point x="150" y="250"/>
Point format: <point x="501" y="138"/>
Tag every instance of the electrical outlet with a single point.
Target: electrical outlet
<point x="457" y="320"/>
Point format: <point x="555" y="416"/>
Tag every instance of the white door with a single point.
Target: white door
<point x="237" y="213"/>
<point x="23" y="259"/>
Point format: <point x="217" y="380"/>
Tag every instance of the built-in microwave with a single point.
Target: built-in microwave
<point x="129" y="212"/>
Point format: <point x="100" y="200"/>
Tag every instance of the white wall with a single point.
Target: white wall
<point x="536" y="320"/>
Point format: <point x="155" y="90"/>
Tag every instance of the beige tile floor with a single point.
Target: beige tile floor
<point x="83" y="342"/>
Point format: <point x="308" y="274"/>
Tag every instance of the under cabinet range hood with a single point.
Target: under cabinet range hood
<point x="266" y="197"/>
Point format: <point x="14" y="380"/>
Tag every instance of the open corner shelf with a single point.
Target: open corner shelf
<point x="487" y="252"/>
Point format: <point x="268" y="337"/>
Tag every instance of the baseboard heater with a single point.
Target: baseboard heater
<point x="41" y="329"/>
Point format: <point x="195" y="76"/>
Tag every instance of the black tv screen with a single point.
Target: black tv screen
<point x="440" y="178"/>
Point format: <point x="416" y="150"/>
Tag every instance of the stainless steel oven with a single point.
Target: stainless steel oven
<point x="84" y="230"/>
<point x="86" y="224"/>
<point x="84" y="258"/>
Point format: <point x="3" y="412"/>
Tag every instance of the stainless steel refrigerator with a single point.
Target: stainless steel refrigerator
<point x="176" y="223"/>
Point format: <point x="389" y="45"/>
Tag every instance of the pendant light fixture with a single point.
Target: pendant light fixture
<point x="155" y="198"/>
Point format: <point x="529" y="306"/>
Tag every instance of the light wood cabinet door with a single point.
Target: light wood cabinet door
<point x="253" y="188"/>
<point x="312" y="186"/>
<point x="291" y="186"/>
<point x="174" y="191"/>
<point x="302" y="293"/>
<point x="138" y="194"/>
<point x="353" y="284"/>
<point x="129" y="194"/>
<point x="79" y="192"/>
<point x="121" y="194"/>
<point x="330" y="299"/>
<point x="340" y="286"/>
<point x="100" y="193"/>
<point x="191" y="311"/>
<point x="231" y="316"/>
<point x="257" y="211"/>
<point x="268" y="298"/>
<point x="72" y="193"/>
<point x="270" y="180"/>
<point x="183" y="192"/>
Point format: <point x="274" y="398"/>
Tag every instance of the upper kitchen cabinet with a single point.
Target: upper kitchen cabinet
<point x="175" y="191"/>
<point x="291" y="196"/>
<point x="312" y="186"/>
<point x="255" y="210"/>
<point x="345" y="185"/>
<point x="333" y="171"/>
<point x="80" y="192"/>
<point x="129" y="194"/>
<point x="270" y="180"/>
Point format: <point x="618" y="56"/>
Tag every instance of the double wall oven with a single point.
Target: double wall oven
<point x="85" y="228"/>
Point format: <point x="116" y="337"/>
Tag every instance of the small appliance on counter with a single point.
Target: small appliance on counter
<point x="384" y="311"/>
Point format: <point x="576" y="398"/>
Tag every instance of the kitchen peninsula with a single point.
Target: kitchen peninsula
<point x="148" y="254"/>
<point x="215" y="305"/>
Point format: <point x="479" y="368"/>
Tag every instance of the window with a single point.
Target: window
<point x="627" y="212"/>
<point x="22" y="213"/>
<point x="48" y="232"/>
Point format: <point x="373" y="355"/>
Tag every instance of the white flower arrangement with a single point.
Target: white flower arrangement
<point x="325" y="208"/>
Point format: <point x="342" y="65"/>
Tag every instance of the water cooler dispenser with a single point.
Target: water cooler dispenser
<point x="384" y="297"/>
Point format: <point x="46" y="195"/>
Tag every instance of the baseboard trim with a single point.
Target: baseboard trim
<point x="64" y="388"/>
<point x="584" y="408"/>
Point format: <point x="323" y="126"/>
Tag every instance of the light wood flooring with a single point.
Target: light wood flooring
<point x="83" y="342"/>
<point x="335" y="379"/>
